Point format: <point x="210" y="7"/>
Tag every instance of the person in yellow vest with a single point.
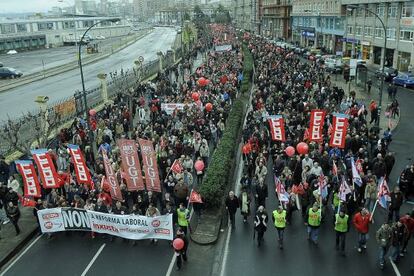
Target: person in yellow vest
<point x="313" y="222"/>
<point x="341" y="228"/>
<point x="183" y="215"/>
<point x="279" y="219"/>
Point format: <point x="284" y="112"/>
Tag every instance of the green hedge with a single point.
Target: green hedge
<point x="219" y="170"/>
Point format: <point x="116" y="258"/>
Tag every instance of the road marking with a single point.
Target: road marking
<point x="226" y="252"/>
<point x="171" y="266"/>
<point x="21" y="255"/>
<point x="394" y="266"/>
<point x="93" y="259"/>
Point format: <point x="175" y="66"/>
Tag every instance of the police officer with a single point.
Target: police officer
<point x="279" y="219"/>
<point x="313" y="222"/>
<point x="183" y="215"/>
<point x="341" y="228"/>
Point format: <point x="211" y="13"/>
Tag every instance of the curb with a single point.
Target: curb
<point x="214" y="237"/>
<point x="18" y="248"/>
<point x="64" y="68"/>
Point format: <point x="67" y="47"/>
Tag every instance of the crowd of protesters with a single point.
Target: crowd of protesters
<point x="186" y="135"/>
<point x="289" y="86"/>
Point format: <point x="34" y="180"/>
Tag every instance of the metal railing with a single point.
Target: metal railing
<point x="71" y="107"/>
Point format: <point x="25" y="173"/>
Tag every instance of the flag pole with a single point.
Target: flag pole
<point x="373" y="210"/>
<point x="353" y="187"/>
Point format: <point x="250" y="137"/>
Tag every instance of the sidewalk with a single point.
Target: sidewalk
<point x="10" y="244"/>
<point x="362" y="95"/>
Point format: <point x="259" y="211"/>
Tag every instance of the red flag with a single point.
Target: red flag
<point x="277" y="128"/>
<point x="46" y="168"/>
<point x="112" y="180"/>
<point x="334" y="168"/>
<point x="177" y="167"/>
<point x="358" y="165"/>
<point x="317" y="120"/>
<point x="306" y="135"/>
<point x="195" y="197"/>
<point x="152" y="179"/>
<point x="28" y="173"/>
<point x="82" y="172"/>
<point x="131" y="165"/>
<point x="339" y="125"/>
<point x="26" y="202"/>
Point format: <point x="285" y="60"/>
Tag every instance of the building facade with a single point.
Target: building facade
<point x="365" y="36"/>
<point x="53" y="32"/>
<point x="318" y="24"/>
<point x="246" y="15"/>
<point x="275" y="19"/>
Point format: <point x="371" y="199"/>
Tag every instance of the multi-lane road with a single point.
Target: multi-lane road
<point x="20" y="99"/>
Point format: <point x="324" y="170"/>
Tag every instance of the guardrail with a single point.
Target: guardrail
<point x="107" y="51"/>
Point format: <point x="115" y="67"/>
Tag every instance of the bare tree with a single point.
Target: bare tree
<point x="30" y="130"/>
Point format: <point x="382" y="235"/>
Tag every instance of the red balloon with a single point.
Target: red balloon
<point x="203" y="81"/>
<point x="302" y="148"/>
<point x="247" y="148"/>
<point x="195" y="96"/>
<point x="290" y="151"/>
<point x="209" y="107"/>
<point x="178" y="244"/>
<point x="199" y="165"/>
<point x="92" y="112"/>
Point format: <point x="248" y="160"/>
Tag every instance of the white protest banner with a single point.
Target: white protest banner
<point x="169" y="108"/>
<point x="126" y="226"/>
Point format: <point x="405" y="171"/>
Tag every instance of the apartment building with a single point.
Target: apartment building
<point x="365" y="37"/>
<point x="317" y="23"/>
<point x="275" y="18"/>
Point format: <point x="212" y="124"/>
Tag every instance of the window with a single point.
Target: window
<point x="381" y="10"/>
<point x="368" y="31"/>
<point x="7" y="28"/>
<point x="359" y="12"/>
<point x="406" y="35"/>
<point x="45" y="26"/>
<point x="358" y="30"/>
<point x="87" y="24"/>
<point x="68" y="25"/>
<point x="350" y="30"/>
<point x="379" y="32"/>
<point x="392" y="11"/>
<point x="407" y="9"/>
<point x="391" y="33"/>
<point x="21" y="28"/>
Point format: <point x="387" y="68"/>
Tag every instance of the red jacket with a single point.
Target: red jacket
<point x="409" y="222"/>
<point x="361" y="222"/>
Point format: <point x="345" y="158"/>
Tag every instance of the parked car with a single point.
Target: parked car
<point x="334" y="66"/>
<point x="389" y="73"/>
<point x="11" y="52"/>
<point x="7" y="72"/>
<point x="404" y="79"/>
<point x="100" y="37"/>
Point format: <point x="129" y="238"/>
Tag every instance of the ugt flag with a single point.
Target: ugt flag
<point x="383" y="195"/>
<point x="280" y="190"/>
<point x="277" y="128"/>
<point x="344" y="190"/>
<point x="339" y="128"/>
<point x="323" y="186"/>
<point x="317" y="120"/>
<point x="355" y="174"/>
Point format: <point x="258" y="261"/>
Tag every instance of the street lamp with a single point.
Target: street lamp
<point x="352" y="7"/>
<point x="113" y="20"/>
<point x="73" y="18"/>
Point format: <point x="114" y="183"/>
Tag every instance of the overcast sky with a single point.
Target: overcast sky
<point x="7" y="6"/>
